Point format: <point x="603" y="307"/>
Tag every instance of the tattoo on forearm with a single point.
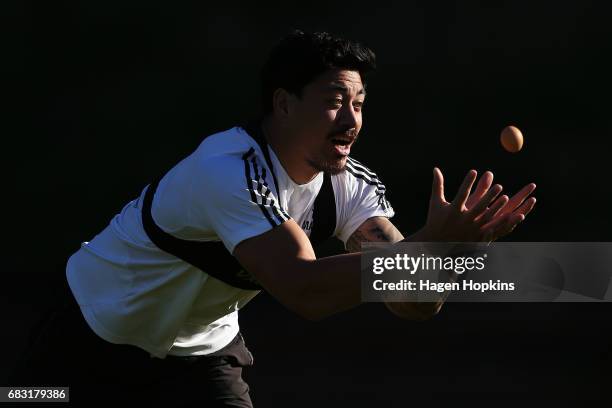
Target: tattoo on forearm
<point x="380" y="234"/>
<point x="372" y="233"/>
<point x="354" y="242"/>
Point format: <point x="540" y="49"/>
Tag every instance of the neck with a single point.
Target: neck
<point x="292" y="159"/>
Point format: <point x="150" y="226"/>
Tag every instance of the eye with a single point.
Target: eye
<point x="358" y="105"/>
<point x="336" y="102"/>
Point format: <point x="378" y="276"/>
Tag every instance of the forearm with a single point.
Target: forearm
<point x="313" y="288"/>
<point x="382" y="230"/>
<point x="333" y="284"/>
<point x="329" y="285"/>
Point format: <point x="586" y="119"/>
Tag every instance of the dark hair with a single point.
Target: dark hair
<point x="300" y="57"/>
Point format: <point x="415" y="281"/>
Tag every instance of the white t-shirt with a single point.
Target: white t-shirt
<point x="131" y="292"/>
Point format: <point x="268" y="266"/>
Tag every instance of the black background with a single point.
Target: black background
<point x="109" y="94"/>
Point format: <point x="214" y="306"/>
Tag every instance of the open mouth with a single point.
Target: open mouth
<point x="342" y="145"/>
<point x="342" y="141"/>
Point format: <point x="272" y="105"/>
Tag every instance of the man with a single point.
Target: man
<point x="160" y="287"/>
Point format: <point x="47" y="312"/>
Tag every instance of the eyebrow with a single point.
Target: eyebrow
<point x="344" y="89"/>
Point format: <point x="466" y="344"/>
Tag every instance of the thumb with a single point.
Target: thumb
<point x="437" y="188"/>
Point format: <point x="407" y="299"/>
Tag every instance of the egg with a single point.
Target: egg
<point x="511" y="139"/>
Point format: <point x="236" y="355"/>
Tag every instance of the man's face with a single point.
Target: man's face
<point x="327" y="118"/>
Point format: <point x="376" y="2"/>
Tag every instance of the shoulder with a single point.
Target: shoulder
<point x="228" y="161"/>
<point x="232" y="183"/>
<point x="361" y="197"/>
<point x="362" y="185"/>
<point x="227" y="150"/>
<point x="230" y="142"/>
<point x="359" y="176"/>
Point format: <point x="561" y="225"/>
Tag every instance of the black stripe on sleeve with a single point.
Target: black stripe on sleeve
<point x="370" y="178"/>
<point x="270" y="198"/>
<point x="358" y="165"/>
<point x="261" y="182"/>
<point x="249" y="181"/>
<point x="373" y="181"/>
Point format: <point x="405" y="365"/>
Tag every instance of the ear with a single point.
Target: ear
<point x="282" y="102"/>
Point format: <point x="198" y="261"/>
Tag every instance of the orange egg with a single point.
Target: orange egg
<point x="512" y="139"/>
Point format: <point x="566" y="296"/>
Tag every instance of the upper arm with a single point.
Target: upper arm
<point x="231" y="196"/>
<point x="362" y="197"/>
<point x="375" y="229"/>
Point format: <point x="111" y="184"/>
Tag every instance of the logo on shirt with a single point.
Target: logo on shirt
<point x="307" y="224"/>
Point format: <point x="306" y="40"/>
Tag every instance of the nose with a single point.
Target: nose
<point x="348" y="117"/>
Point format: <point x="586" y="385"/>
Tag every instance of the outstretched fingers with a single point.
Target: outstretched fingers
<point x="485" y="201"/>
<point x="464" y="190"/>
<point x="437" y="188"/>
<point x="526" y="207"/>
<point x="493" y="210"/>
<point x="518" y="198"/>
<point x="481" y="189"/>
<point x="506" y="223"/>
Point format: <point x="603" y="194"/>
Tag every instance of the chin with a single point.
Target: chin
<point x="334" y="166"/>
<point x="340" y="166"/>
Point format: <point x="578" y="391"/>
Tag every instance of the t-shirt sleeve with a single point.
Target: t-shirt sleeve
<point x="234" y="196"/>
<point x="364" y="198"/>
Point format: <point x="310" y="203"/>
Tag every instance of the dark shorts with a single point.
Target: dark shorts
<point x="64" y="351"/>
